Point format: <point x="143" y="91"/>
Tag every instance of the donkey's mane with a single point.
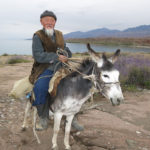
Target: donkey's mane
<point x="85" y="67"/>
<point x="107" y="66"/>
<point x="86" y="64"/>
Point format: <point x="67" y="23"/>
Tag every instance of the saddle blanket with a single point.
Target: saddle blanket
<point x="22" y="87"/>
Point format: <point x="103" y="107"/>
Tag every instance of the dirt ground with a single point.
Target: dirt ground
<point x="124" y="127"/>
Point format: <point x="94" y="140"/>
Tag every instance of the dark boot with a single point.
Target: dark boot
<point x="43" y="113"/>
<point x="43" y="118"/>
<point x="76" y="125"/>
<point x="42" y="124"/>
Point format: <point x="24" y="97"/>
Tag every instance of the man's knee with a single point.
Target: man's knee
<point x="41" y="86"/>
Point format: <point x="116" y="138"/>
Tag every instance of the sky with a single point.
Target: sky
<point x="19" y="19"/>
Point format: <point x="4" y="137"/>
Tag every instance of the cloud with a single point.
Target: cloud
<point x="20" y="18"/>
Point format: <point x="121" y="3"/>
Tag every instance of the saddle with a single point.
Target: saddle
<point x="60" y="74"/>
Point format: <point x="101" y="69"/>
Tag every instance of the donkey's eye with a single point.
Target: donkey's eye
<point x="106" y="76"/>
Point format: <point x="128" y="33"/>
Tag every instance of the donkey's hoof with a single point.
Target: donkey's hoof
<point x="55" y="148"/>
<point x="68" y="148"/>
<point x="23" y="128"/>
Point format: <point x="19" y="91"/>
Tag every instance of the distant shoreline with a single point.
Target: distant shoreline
<point x="143" y="46"/>
<point x="111" y="41"/>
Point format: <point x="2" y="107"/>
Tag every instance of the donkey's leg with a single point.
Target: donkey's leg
<point x="92" y="99"/>
<point x="34" y="124"/>
<point x="67" y="131"/>
<point x="28" y="106"/>
<point x="51" y="115"/>
<point x="57" y="120"/>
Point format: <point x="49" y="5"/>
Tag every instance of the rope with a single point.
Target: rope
<point x="71" y="67"/>
<point x="62" y="52"/>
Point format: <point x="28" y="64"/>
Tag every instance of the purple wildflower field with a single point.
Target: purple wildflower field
<point x="134" y="69"/>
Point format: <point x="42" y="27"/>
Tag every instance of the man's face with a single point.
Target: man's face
<point x="48" y="22"/>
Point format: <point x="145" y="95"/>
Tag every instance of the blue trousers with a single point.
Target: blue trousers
<point x="41" y="87"/>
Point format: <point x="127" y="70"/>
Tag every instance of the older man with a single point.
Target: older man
<point x="45" y="44"/>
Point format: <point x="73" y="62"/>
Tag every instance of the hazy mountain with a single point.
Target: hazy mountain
<point x="139" y="31"/>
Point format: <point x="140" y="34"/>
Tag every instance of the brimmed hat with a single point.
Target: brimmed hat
<point x="48" y="13"/>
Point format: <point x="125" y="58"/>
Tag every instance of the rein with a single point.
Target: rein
<point x="111" y="82"/>
<point x="70" y="67"/>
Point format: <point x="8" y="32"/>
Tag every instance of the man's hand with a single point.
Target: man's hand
<point x="63" y="58"/>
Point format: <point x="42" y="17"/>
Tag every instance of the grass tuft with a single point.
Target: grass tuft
<point x="15" y="60"/>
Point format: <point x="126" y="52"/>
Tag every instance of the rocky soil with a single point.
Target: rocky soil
<point x="124" y="127"/>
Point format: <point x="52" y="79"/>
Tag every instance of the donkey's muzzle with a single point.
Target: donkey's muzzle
<point x="117" y="101"/>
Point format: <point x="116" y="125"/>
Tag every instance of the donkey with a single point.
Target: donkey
<point x="74" y="90"/>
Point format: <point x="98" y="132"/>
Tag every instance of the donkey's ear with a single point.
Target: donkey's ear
<point x="95" y="56"/>
<point x="104" y="57"/>
<point x="114" y="58"/>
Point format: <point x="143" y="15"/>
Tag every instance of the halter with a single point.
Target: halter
<point x="98" y="83"/>
<point x="103" y="84"/>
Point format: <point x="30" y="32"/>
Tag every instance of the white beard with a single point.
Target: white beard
<point x="49" y="32"/>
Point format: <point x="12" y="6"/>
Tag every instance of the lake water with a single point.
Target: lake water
<point x="24" y="47"/>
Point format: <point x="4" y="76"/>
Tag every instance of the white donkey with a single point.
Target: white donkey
<point x="74" y="90"/>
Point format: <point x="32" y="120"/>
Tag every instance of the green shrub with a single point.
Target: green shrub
<point x="131" y="88"/>
<point x="17" y="60"/>
<point x="5" y="54"/>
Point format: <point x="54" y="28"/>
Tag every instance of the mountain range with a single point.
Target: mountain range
<point x="139" y="31"/>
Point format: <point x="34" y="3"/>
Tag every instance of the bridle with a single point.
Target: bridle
<point x="98" y="83"/>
